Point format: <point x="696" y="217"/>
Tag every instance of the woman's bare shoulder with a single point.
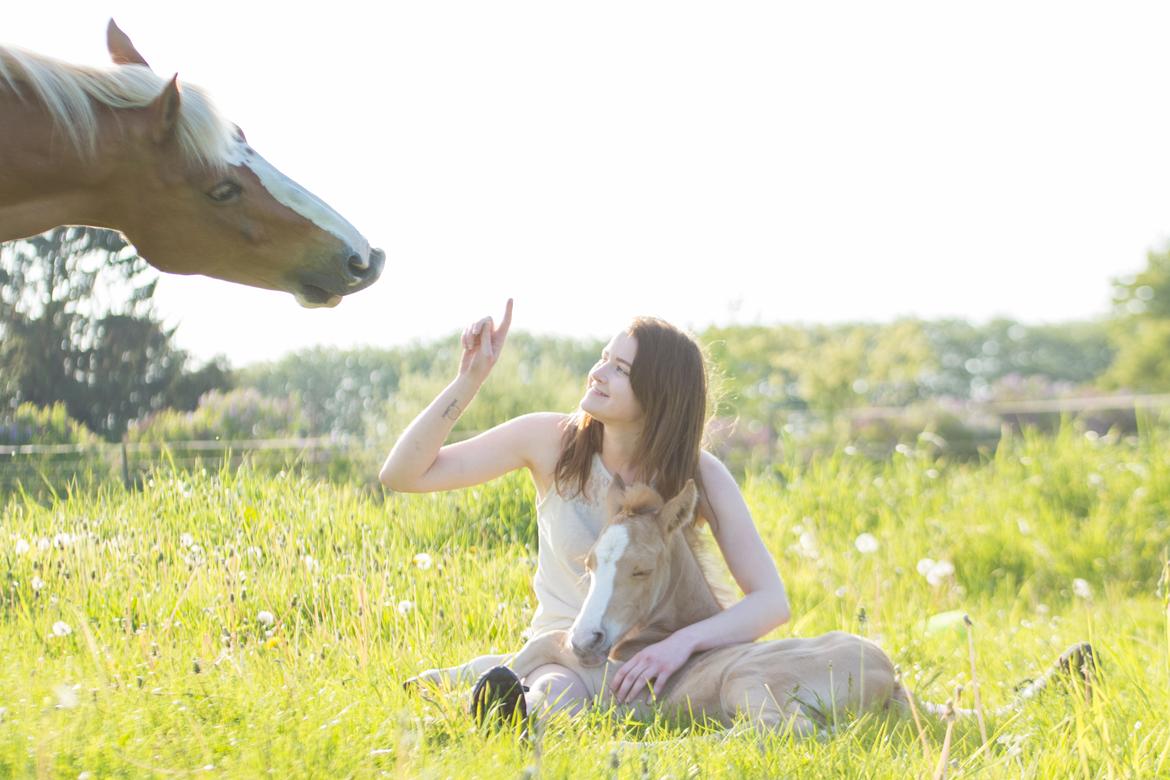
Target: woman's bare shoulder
<point x="545" y="433"/>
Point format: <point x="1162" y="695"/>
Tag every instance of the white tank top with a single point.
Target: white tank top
<point x="566" y="530"/>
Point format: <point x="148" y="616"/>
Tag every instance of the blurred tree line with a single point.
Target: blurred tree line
<point x="106" y="357"/>
<point x="78" y="328"/>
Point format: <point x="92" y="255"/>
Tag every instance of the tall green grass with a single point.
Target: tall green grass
<point x="237" y="625"/>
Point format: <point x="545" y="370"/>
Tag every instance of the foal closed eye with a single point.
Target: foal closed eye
<point x="640" y="574"/>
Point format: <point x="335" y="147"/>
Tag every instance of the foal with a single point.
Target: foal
<point x="647" y="580"/>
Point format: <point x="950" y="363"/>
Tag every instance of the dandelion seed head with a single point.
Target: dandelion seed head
<point x="67" y="696"/>
<point x="265" y="618"/>
<point x="37" y="583"/>
<point x="405" y="606"/>
<point x="61" y="628"/>
<point x="1082" y="589"/>
<point x="935" y="572"/>
<point x="423" y="561"/>
<point x="22" y="547"/>
<point x="866" y="543"/>
<point x="186" y="540"/>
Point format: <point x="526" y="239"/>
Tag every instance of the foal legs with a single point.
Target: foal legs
<point x="766" y="709"/>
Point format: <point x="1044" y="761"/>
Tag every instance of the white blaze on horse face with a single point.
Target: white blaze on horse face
<point x="608" y="552"/>
<point x="288" y="193"/>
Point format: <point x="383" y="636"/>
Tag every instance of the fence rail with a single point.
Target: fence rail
<point x="31" y="465"/>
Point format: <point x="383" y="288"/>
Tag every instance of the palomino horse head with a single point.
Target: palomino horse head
<point x="181" y="182"/>
<point x="629" y="571"/>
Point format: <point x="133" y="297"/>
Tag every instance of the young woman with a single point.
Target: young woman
<point x="642" y="417"/>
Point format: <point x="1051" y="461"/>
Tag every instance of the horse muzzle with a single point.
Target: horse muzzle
<point x="591" y="648"/>
<point x="349" y="273"/>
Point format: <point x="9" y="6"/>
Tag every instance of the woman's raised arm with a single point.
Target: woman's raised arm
<point x="420" y="463"/>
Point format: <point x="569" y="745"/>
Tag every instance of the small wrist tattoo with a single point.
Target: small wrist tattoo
<point x="452" y="411"/>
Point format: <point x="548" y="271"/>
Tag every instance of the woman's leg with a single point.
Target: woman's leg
<point x="454" y="676"/>
<point x="553" y="687"/>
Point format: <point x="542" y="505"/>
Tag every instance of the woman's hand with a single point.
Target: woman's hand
<point x="482" y="343"/>
<point x="651" y="665"/>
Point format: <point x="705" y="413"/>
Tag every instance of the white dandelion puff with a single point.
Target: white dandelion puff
<point x="37" y="583"/>
<point x="186" y="540"/>
<point x="265" y="618"/>
<point x="405" y="606"/>
<point x="61" y="628"/>
<point x="67" y="696"/>
<point x="935" y="572"/>
<point x="423" y="561"/>
<point x="22" y="547"/>
<point x="1082" y="589"/>
<point x="866" y="543"/>
<point x="311" y="563"/>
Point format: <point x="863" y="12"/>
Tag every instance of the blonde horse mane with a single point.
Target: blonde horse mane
<point x="642" y="499"/>
<point x="66" y="91"/>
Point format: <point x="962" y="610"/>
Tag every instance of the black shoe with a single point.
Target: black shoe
<point x="498" y="695"/>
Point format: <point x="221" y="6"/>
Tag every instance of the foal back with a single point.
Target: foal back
<point x="805" y="681"/>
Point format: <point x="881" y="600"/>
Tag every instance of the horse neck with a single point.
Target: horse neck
<point x="688" y="598"/>
<point x="46" y="181"/>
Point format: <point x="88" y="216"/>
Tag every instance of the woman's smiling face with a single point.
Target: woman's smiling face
<point x="609" y="396"/>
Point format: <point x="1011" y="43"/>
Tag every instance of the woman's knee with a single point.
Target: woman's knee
<point x="558" y="687"/>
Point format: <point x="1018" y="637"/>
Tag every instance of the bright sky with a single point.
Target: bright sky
<point x="704" y="162"/>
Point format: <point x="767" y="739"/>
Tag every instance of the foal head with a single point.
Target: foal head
<point x="629" y="565"/>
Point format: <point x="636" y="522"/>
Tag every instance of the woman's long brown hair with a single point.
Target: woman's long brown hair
<point x="669" y="380"/>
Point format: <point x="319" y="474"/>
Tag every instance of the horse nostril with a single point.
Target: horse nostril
<point x="357" y="266"/>
<point x="597" y="639"/>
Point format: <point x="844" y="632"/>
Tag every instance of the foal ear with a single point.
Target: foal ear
<point x="165" y="111"/>
<point x="680" y="510"/>
<point x="122" y="51"/>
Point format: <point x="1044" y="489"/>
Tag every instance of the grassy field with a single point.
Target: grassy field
<point x="238" y="625"/>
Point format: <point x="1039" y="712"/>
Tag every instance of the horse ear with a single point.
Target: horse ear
<point x="680" y="510"/>
<point x="122" y="51"/>
<point x="165" y="111"/>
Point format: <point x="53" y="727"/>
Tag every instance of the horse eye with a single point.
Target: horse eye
<point x="640" y="574"/>
<point x="226" y="191"/>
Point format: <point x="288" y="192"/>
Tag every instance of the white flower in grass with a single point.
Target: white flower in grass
<point x="311" y="563"/>
<point x="61" y="628"/>
<point x="186" y="540"/>
<point x="43" y="544"/>
<point x="1082" y="589"/>
<point x="67" y="696"/>
<point x="934" y="571"/>
<point x="22" y="547"/>
<point x="405" y="606"/>
<point x="37" y="583"/>
<point x="866" y="543"/>
<point x="265" y="618"/>
<point x="423" y="561"/>
<point x="62" y="540"/>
